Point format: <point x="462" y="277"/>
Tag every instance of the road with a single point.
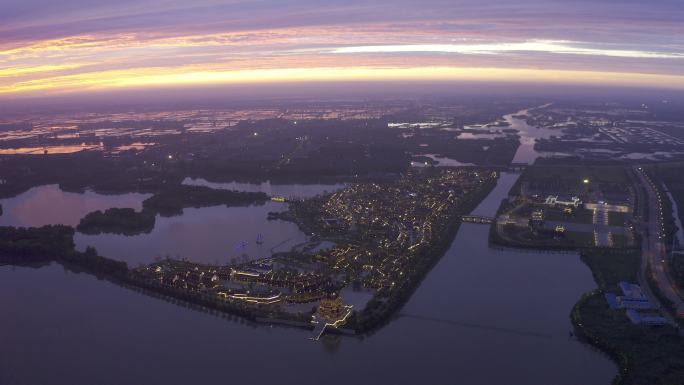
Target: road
<point x="653" y="247"/>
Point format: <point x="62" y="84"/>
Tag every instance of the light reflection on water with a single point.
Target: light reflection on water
<point x="62" y="149"/>
<point x="207" y="235"/>
<point x="481" y="316"/>
<point x="48" y="205"/>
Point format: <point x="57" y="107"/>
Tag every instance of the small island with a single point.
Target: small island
<point x="168" y="202"/>
<point x="172" y="201"/>
<point x="124" y="221"/>
<point x="40" y="245"/>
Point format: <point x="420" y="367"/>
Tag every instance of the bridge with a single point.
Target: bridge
<point x="518" y="166"/>
<point x="478" y="219"/>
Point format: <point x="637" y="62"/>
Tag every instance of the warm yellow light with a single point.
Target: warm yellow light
<point x="192" y="76"/>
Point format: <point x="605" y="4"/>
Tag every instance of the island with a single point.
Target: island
<point x="124" y="221"/>
<point x="55" y="243"/>
<point x="168" y="202"/>
<point x="171" y="201"/>
<point x="384" y="238"/>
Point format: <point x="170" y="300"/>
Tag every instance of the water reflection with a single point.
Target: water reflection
<point x="217" y="235"/>
<point x="528" y="137"/>
<point x="480" y="317"/>
<point x="48" y="205"/>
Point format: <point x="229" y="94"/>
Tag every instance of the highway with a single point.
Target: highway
<point x="653" y="247"/>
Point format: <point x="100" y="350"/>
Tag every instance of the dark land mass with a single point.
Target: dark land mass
<point x="279" y="150"/>
<point x="173" y="200"/>
<point x="645" y="355"/>
<point x="124" y="221"/>
<point x="27" y="246"/>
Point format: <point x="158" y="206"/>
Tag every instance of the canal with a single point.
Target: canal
<point x="526" y="153"/>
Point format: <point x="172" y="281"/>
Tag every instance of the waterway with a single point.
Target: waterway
<point x="481" y="316"/>
<point x="528" y="137"/>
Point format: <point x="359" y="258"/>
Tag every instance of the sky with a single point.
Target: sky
<point x="50" y="47"/>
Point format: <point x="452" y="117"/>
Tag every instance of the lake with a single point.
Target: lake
<point x="481" y="316"/>
<point x="217" y="234"/>
<point x="209" y="235"/>
<point x="48" y="205"/>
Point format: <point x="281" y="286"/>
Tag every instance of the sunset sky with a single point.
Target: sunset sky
<point x="77" y="46"/>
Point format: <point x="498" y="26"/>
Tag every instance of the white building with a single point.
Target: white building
<point x="553" y="200"/>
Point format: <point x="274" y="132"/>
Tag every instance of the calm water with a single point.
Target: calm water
<point x="48" y="205"/>
<point x="528" y="136"/>
<point x="210" y="234"/>
<point x="480" y="317"/>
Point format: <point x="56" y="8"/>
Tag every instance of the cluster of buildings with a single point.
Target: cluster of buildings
<point x="255" y="283"/>
<point x="385" y="227"/>
<point x="380" y="232"/>
<point x="638" y="308"/>
<point x="563" y="201"/>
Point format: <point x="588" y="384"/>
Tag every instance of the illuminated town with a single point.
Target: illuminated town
<point x="384" y="237"/>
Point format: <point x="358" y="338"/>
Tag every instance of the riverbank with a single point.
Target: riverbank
<point x="28" y="246"/>
<point x="460" y="319"/>
<point x="645" y="355"/>
<point x="369" y="321"/>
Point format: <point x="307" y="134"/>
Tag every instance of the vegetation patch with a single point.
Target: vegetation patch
<point x="124" y="221"/>
<point x="24" y="246"/>
<point x="172" y="201"/>
<point x="645" y="355"/>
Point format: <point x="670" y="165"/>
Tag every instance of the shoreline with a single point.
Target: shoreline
<point x="101" y="267"/>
